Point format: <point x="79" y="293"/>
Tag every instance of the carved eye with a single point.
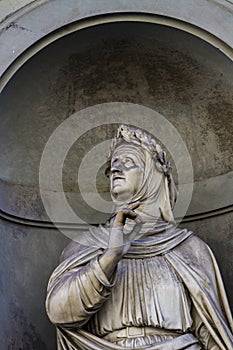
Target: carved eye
<point x="128" y="162"/>
<point x="114" y="161"/>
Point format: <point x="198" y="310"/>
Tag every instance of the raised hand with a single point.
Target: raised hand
<point x="127" y="212"/>
<point x="117" y="245"/>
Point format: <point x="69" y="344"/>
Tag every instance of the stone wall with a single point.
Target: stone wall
<point x="175" y="60"/>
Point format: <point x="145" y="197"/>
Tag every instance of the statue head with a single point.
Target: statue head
<point x="139" y="171"/>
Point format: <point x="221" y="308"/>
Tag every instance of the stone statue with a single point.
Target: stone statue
<point x="139" y="282"/>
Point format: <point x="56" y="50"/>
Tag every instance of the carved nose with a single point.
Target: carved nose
<point x="116" y="167"/>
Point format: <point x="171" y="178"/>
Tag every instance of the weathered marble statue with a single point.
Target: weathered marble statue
<point x="139" y="282"/>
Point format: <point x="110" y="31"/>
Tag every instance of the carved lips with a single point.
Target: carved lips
<point x="117" y="178"/>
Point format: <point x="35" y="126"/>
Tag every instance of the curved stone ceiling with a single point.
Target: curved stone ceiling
<point x="173" y="72"/>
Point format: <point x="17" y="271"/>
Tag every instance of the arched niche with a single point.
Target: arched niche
<point x="174" y="64"/>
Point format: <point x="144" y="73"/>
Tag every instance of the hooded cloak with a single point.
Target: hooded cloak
<point x="191" y="260"/>
<point x="81" y="299"/>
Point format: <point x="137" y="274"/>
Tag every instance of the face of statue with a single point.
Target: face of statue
<point x="126" y="173"/>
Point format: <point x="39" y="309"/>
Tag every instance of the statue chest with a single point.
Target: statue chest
<point x="147" y="292"/>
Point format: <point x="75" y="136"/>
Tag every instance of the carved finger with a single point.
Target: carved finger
<point x="134" y="205"/>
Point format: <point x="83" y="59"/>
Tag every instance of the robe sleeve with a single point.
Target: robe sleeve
<point x="195" y="264"/>
<point x="77" y="294"/>
<point x="202" y="333"/>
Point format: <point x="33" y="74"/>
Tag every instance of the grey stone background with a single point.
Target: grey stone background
<point x="173" y="72"/>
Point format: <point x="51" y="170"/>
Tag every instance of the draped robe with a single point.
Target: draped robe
<point x="79" y="292"/>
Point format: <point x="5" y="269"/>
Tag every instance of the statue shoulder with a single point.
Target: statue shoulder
<point x="75" y="249"/>
<point x="194" y="258"/>
<point x="86" y="243"/>
<point x="196" y="241"/>
<point x="71" y="249"/>
<point x="195" y="250"/>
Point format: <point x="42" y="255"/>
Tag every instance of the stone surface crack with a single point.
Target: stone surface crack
<point x="16" y="26"/>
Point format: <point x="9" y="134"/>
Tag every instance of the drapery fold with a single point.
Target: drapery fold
<point x="187" y="255"/>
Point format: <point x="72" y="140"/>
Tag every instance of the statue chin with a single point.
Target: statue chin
<point x="121" y="196"/>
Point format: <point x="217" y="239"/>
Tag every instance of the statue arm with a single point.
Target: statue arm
<point x="79" y="293"/>
<point x="196" y="265"/>
<point x="202" y="334"/>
